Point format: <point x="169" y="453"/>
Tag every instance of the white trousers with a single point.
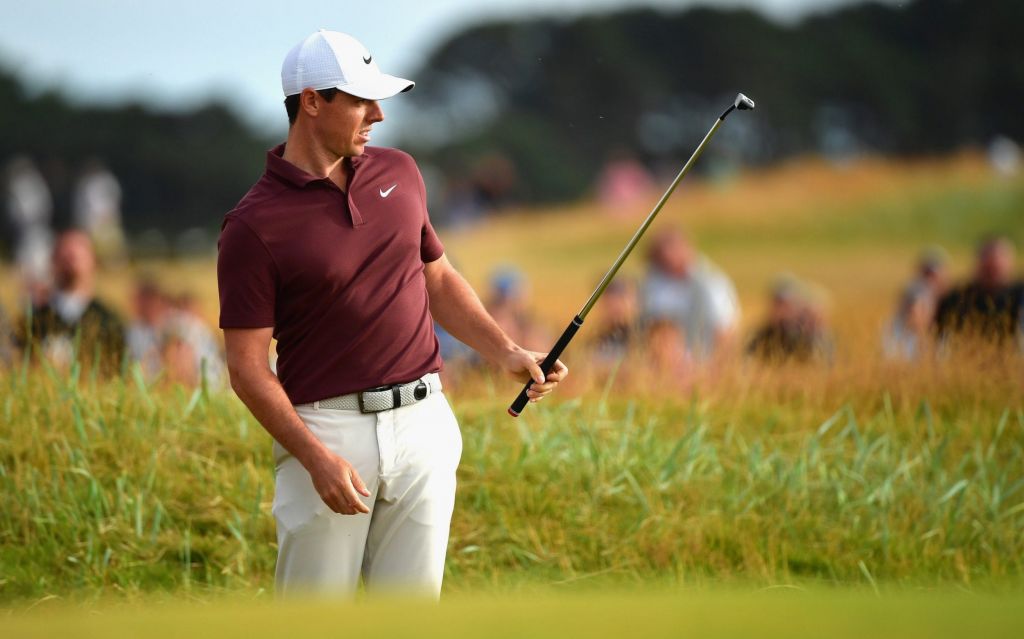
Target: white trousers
<point x="407" y="457"/>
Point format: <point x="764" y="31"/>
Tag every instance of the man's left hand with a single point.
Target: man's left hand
<point x="525" y="366"/>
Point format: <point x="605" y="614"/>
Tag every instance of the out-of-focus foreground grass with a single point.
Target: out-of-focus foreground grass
<point x="865" y="474"/>
<point x="786" y="614"/>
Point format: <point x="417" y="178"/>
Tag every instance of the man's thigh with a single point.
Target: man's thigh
<point x="317" y="548"/>
<point x="408" y="535"/>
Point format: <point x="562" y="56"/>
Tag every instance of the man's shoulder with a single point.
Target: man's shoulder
<point x="390" y="156"/>
<point x="707" y="275"/>
<point x="260" y="197"/>
<point x="387" y="153"/>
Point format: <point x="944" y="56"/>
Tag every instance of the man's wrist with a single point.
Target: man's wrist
<point x="498" y="354"/>
<point x="313" y="455"/>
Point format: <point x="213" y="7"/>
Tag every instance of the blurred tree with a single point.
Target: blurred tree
<point x="178" y="170"/>
<point x="558" y="96"/>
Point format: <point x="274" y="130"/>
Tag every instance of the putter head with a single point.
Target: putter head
<point x="743" y="103"/>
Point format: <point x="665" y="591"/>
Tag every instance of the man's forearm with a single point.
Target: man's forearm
<point x="456" y="307"/>
<point x="263" y="395"/>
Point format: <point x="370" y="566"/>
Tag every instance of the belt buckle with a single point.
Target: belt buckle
<point x="362" y="404"/>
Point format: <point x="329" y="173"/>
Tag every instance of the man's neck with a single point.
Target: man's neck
<point x="305" y="152"/>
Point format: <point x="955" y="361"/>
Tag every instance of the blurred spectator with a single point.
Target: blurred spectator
<point x="1004" y="155"/>
<point x="30" y="209"/>
<point x="909" y="333"/>
<point x="96" y="209"/>
<point x="684" y="287"/>
<point x="72" y="316"/>
<point x="988" y="307"/>
<point x="145" y="333"/>
<point x="457" y="357"/>
<point x="452" y="350"/>
<point x="508" y="304"/>
<point x="617" y="318"/>
<point x="666" y="351"/>
<point x="932" y="272"/>
<point x="188" y="338"/>
<point x="169" y="339"/>
<point x="795" y="328"/>
<point x="622" y="184"/>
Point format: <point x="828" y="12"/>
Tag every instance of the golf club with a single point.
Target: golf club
<point x="742" y="103"/>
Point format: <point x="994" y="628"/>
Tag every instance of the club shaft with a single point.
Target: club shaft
<point x="606" y="280"/>
<point x="521" y="400"/>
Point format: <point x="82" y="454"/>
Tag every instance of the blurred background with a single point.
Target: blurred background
<point x="885" y="146"/>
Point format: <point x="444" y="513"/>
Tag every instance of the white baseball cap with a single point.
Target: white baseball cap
<point x="335" y="60"/>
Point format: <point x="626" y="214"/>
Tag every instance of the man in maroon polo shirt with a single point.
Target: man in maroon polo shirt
<point x="332" y="253"/>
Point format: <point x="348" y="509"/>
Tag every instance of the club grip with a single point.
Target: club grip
<point x="520" y="403"/>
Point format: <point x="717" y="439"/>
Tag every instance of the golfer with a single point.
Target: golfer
<point x="332" y="253"/>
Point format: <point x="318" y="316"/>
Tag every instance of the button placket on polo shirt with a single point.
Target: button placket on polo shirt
<point x="357" y="217"/>
<point x="345" y="201"/>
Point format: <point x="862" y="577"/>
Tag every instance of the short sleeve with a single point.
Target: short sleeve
<point x="246" y="277"/>
<point x="431" y="248"/>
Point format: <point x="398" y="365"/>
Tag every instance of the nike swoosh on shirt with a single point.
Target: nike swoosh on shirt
<point x="384" y="193"/>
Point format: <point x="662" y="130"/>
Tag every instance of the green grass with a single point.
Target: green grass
<point x="115" y="488"/>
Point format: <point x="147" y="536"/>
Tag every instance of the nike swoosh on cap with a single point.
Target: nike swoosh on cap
<point x="384" y="193"/>
<point x="368" y="60"/>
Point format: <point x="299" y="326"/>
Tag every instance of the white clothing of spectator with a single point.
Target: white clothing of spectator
<point x="686" y="288"/>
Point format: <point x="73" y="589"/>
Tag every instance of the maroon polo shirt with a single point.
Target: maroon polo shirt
<point x="338" y="275"/>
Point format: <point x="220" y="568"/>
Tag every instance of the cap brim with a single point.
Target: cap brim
<point x="382" y="87"/>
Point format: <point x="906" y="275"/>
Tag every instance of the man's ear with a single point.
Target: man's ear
<point x="309" y="102"/>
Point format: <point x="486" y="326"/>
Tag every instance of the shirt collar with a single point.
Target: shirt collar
<point x="285" y="170"/>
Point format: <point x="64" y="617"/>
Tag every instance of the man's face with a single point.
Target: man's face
<point x="995" y="264"/>
<point x="343" y="124"/>
<point x="786" y="308"/>
<point x="73" y="259"/>
<point x="674" y="255"/>
<point x="149" y="306"/>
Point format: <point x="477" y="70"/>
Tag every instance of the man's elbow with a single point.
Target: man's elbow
<point x="240" y="378"/>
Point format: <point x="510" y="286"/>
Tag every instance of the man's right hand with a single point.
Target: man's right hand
<point x="335" y="480"/>
<point x="338" y="484"/>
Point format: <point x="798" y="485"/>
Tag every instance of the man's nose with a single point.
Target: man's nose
<point x="375" y="114"/>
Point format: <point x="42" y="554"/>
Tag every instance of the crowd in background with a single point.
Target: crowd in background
<point x="934" y="317"/>
<point x="61" y="320"/>
<point x="681" y="317"/>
